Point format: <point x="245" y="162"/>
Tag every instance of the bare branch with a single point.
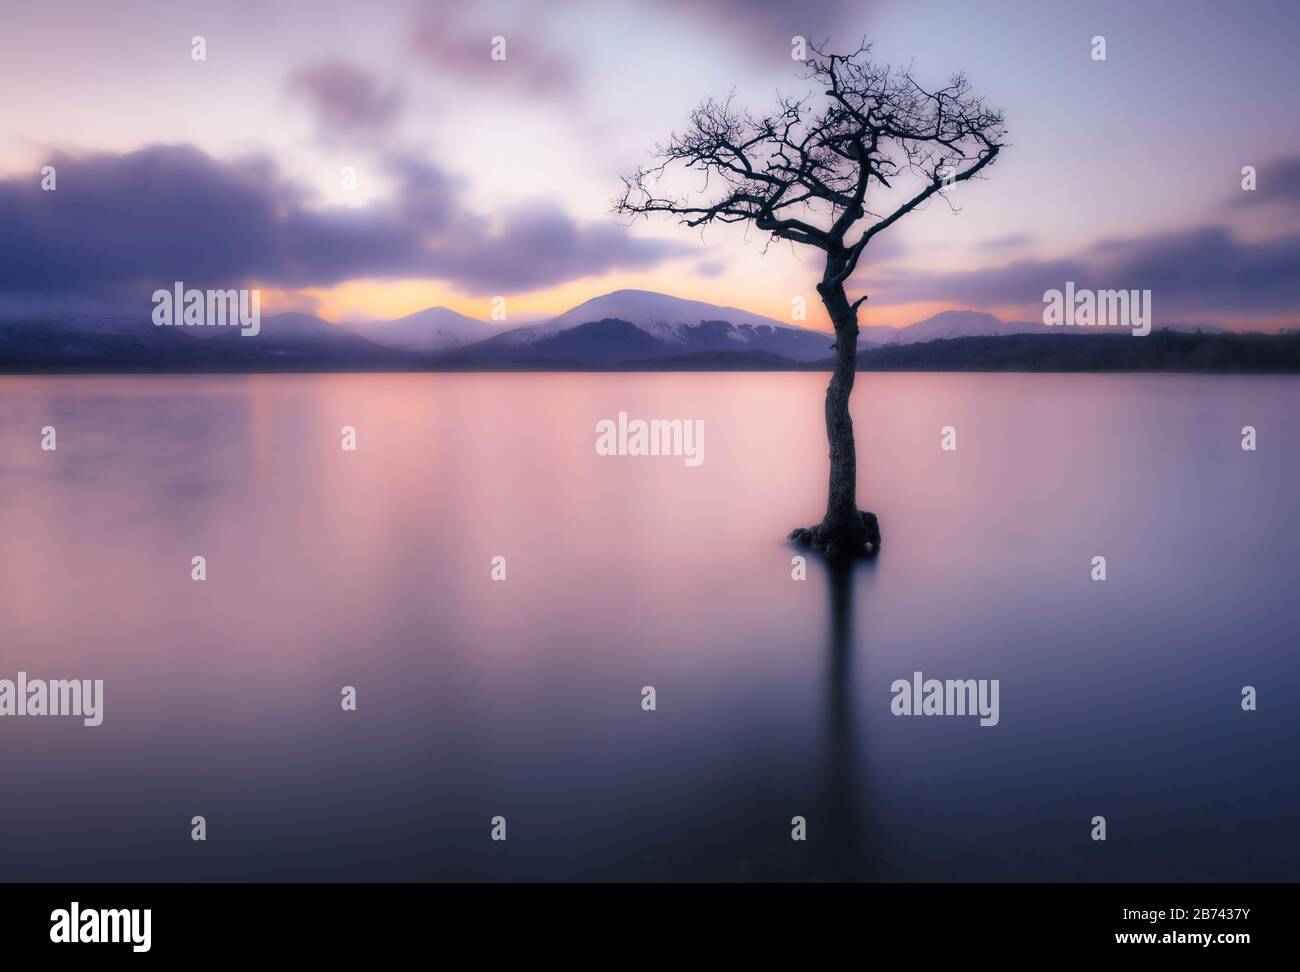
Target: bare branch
<point x="816" y="167"/>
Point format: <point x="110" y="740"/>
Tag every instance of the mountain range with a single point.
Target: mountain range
<point x="629" y="329"/>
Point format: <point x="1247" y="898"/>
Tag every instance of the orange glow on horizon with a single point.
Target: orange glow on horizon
<point x="390" y="299"/>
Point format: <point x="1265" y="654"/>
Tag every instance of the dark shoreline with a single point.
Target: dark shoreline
<point x="1161" y="352"/>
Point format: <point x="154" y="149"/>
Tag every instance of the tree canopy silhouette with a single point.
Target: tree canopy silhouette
<point x="831" y="169"/>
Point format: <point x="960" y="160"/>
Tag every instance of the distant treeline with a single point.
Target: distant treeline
<point x="1157" y="351"/>
<point x="55" y="348"/>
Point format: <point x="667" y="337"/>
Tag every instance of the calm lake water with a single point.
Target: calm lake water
<point x="522" y="698"/>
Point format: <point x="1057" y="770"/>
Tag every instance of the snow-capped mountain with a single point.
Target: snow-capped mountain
<point x="948" y="324"/>
<point x="432" y="329"/>
<point x="659" y="315"/>
<point x="638" y="325"/>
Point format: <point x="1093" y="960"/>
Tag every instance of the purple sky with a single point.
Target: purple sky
<point x="476" y="178"/>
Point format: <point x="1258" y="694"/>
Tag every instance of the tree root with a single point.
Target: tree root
<point x="855" y="539"/>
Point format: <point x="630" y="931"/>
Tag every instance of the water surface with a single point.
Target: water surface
<point x="522" y="698"/>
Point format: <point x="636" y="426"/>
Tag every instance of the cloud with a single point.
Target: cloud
<point x="347" y="100"/>
<point x="458" y="48"/>
<point x="710" y="268"/>
<point x="1009" y="242"/>
<point x="1201" y="269"/>
<point x="1020" y="282"/>
<point x="768" y="25"/>
<point x="532" y="246"/>
<point x="1277" y="183"/>
<point x="122" y="225"/>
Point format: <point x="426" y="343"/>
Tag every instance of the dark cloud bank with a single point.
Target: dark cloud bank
<point x="1203" y="269"/>
<point x="120" y="225"/>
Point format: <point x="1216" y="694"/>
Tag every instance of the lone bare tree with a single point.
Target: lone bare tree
<point x="830" y="170"/>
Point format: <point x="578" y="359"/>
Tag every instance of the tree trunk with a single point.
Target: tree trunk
<point x="845" y="531"/>
<point x="841" y="502"/>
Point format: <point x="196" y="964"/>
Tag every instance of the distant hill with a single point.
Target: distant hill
<point x="959" y="324"/>
<point x="631" y="325"/>
<point x="948" y="324"/>
<point x="655" y="332"/>
<point x="660" y="315"/>
<point x="287" y="342"/>
<point x="432" y="329"/>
